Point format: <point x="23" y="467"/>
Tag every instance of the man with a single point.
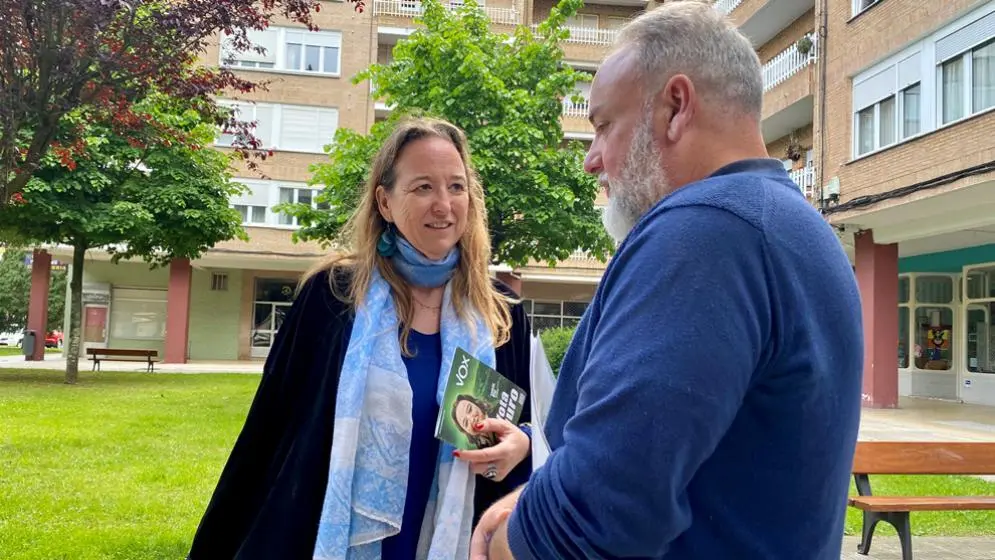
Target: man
<point x="708" y="405"/>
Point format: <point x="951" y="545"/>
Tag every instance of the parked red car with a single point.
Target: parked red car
<point x="53" y="339"/>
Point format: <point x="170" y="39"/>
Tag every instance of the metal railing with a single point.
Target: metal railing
<point x="575" y="110"/>
<point x="727" y="6"/>
<point x="413" y="8"/>
<point x="787" y="63"/>
<point x="805" y="179"/>
<point x="588" y="35"/>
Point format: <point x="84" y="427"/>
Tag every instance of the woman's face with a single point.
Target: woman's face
<point x="468" y="415"/>
<point x="430" y="199"/>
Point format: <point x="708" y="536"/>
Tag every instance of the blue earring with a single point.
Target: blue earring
<point x="387" y="245"/>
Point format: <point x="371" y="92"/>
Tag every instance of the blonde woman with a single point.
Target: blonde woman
<point x="338" y="457"/>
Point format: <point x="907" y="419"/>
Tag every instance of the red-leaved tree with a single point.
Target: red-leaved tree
<point x="98" y="57"/>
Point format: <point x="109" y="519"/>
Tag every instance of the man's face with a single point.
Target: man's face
<point x="624" y="154"/>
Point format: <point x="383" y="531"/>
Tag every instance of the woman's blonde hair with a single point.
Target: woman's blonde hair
<point x="472" y="289"/>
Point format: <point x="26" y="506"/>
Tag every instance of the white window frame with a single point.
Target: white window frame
<point x="928" y="69"/>
<point x="967" y="97"/>
<point x="859" y="7"/>
<point x="249" y="208"/>
<point x="249" y="112"/>
<point x="279" y="54"/>
<point x="268" y="192"/>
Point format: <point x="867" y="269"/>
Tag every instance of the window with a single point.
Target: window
<point x="138" y="314"/>
<point x="939" y="80"/>
<point x="911" y="111"/>
<point x="251" y="214"/>
<point x="307" y="129"/>
<point x="219" y="282"/>
<point x="861" y="5"/>
<point x="261" y="115"/>
<point x="288" y="50"/>
<point x="952" y="87"/>
<point x="966" y="62"/>
<point x="312" y="52"/>
<point x="615" y="22"/>
<point x="300" y="196"/>
<point x="876" y="126"/>
<point x="553" y="314"/>
<point x="583" y="21"/>
<point x="293" y="128"/>
<point x="266" y="39"/>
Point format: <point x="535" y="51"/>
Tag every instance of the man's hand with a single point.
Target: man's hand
<point x="493" y="522"/>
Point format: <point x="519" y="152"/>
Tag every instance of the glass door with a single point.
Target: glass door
<point x="272" y="302"/>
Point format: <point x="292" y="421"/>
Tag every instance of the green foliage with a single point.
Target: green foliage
<point x="15" y="292"/>
<point x="157" y="201"/>
<point x="506" y="93"/>
<point x="555" y="342"/>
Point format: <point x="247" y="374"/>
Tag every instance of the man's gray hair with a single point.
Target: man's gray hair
<point x="693" y="38"/>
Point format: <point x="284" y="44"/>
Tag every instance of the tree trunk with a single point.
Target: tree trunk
<point x="75" y="314"/>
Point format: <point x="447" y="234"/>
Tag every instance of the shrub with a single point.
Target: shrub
<point x="555" y="341"/>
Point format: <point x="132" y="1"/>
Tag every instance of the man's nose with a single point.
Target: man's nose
<point x="592" y="163"/>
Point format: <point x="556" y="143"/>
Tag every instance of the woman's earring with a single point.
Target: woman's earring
<point x="387" y="245"/>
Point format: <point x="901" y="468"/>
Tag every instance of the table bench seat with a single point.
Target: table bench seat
<point x="923" y="503"/>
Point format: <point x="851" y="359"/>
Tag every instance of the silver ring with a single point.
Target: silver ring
<point x="491" y="473"/>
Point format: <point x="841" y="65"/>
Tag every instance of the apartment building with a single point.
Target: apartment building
<point x="908" y="160"/>
<point x="878" y="109"/>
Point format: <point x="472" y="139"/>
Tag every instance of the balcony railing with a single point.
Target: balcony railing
<point x="787" y="63"/>
<point x="413" y="8"/>
<point x="805" y="179"/>
<point x="727" y="6"/>
<point x="576" y="110"/>
<point x="588" y="35"/>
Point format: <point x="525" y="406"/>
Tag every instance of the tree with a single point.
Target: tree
<point x="507" y="95"/>
<point x="15" y="293"/>
<point x="144" y="195"/>
<point x="98" y="58"/>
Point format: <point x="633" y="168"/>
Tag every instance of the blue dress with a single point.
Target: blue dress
<point x="423" y="375"/>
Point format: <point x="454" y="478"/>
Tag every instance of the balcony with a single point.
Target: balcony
<point x="787" y="63"/>
<point x="762" y="20"/>
<point x="727" y="6"/>
<point x="805" y="179"/>
<point x="789" y="90"/>
<point x="413" y="8"/>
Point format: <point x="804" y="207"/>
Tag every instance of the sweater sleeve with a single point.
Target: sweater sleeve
<point x="683" y="323"/>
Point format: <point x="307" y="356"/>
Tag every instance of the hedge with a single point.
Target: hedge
<point x="555" y="342"/>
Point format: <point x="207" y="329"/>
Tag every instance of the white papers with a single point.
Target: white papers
<point x="543" y="385"/>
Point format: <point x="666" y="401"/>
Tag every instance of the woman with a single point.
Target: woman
<point x="338" y="449"/>
<point x="467" y="413"/>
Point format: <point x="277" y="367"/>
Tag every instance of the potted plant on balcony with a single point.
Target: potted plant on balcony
<point x="794" y="150"/>
<point x="804" y="45"/>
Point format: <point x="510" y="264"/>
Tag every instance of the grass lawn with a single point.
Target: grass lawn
<point x="121" y="465"/>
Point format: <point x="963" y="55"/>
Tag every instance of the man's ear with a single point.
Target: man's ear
<point x="674" y="108"/>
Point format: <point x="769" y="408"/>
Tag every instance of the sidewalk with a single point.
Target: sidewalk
<point x="923" y="548"/>
<point x="56" y="362"/>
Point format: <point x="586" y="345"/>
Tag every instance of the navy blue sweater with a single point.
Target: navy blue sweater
<point x="708" y="406"/>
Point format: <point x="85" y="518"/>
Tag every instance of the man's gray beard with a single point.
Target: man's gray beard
<point x="640" y="184"/>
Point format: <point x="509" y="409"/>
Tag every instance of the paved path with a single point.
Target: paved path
<point x="924" y="548"/>
<point x="56" y="362"/>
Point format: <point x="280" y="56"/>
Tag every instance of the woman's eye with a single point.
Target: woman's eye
<point x="458" y="187"/>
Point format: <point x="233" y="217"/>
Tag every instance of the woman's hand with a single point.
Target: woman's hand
<point x="512" y="448"/>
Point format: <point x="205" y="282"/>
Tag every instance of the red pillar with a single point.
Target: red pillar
<point x="41" y="277"/>
<point x="877" y="276"/>
<point x="178" y="311"/>
<point x="512" y="280"/>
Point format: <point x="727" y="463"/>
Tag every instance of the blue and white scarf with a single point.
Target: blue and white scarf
<point x="368" y="472"/>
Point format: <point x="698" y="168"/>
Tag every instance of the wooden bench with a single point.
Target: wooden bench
<point x="122" y="355"/>
<point x="912" y="458"/>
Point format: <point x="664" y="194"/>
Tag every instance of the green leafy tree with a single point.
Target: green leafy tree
<point x="15" y="292"/>
<point x="143" y="195"/>
<point x="507" y="95"/>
